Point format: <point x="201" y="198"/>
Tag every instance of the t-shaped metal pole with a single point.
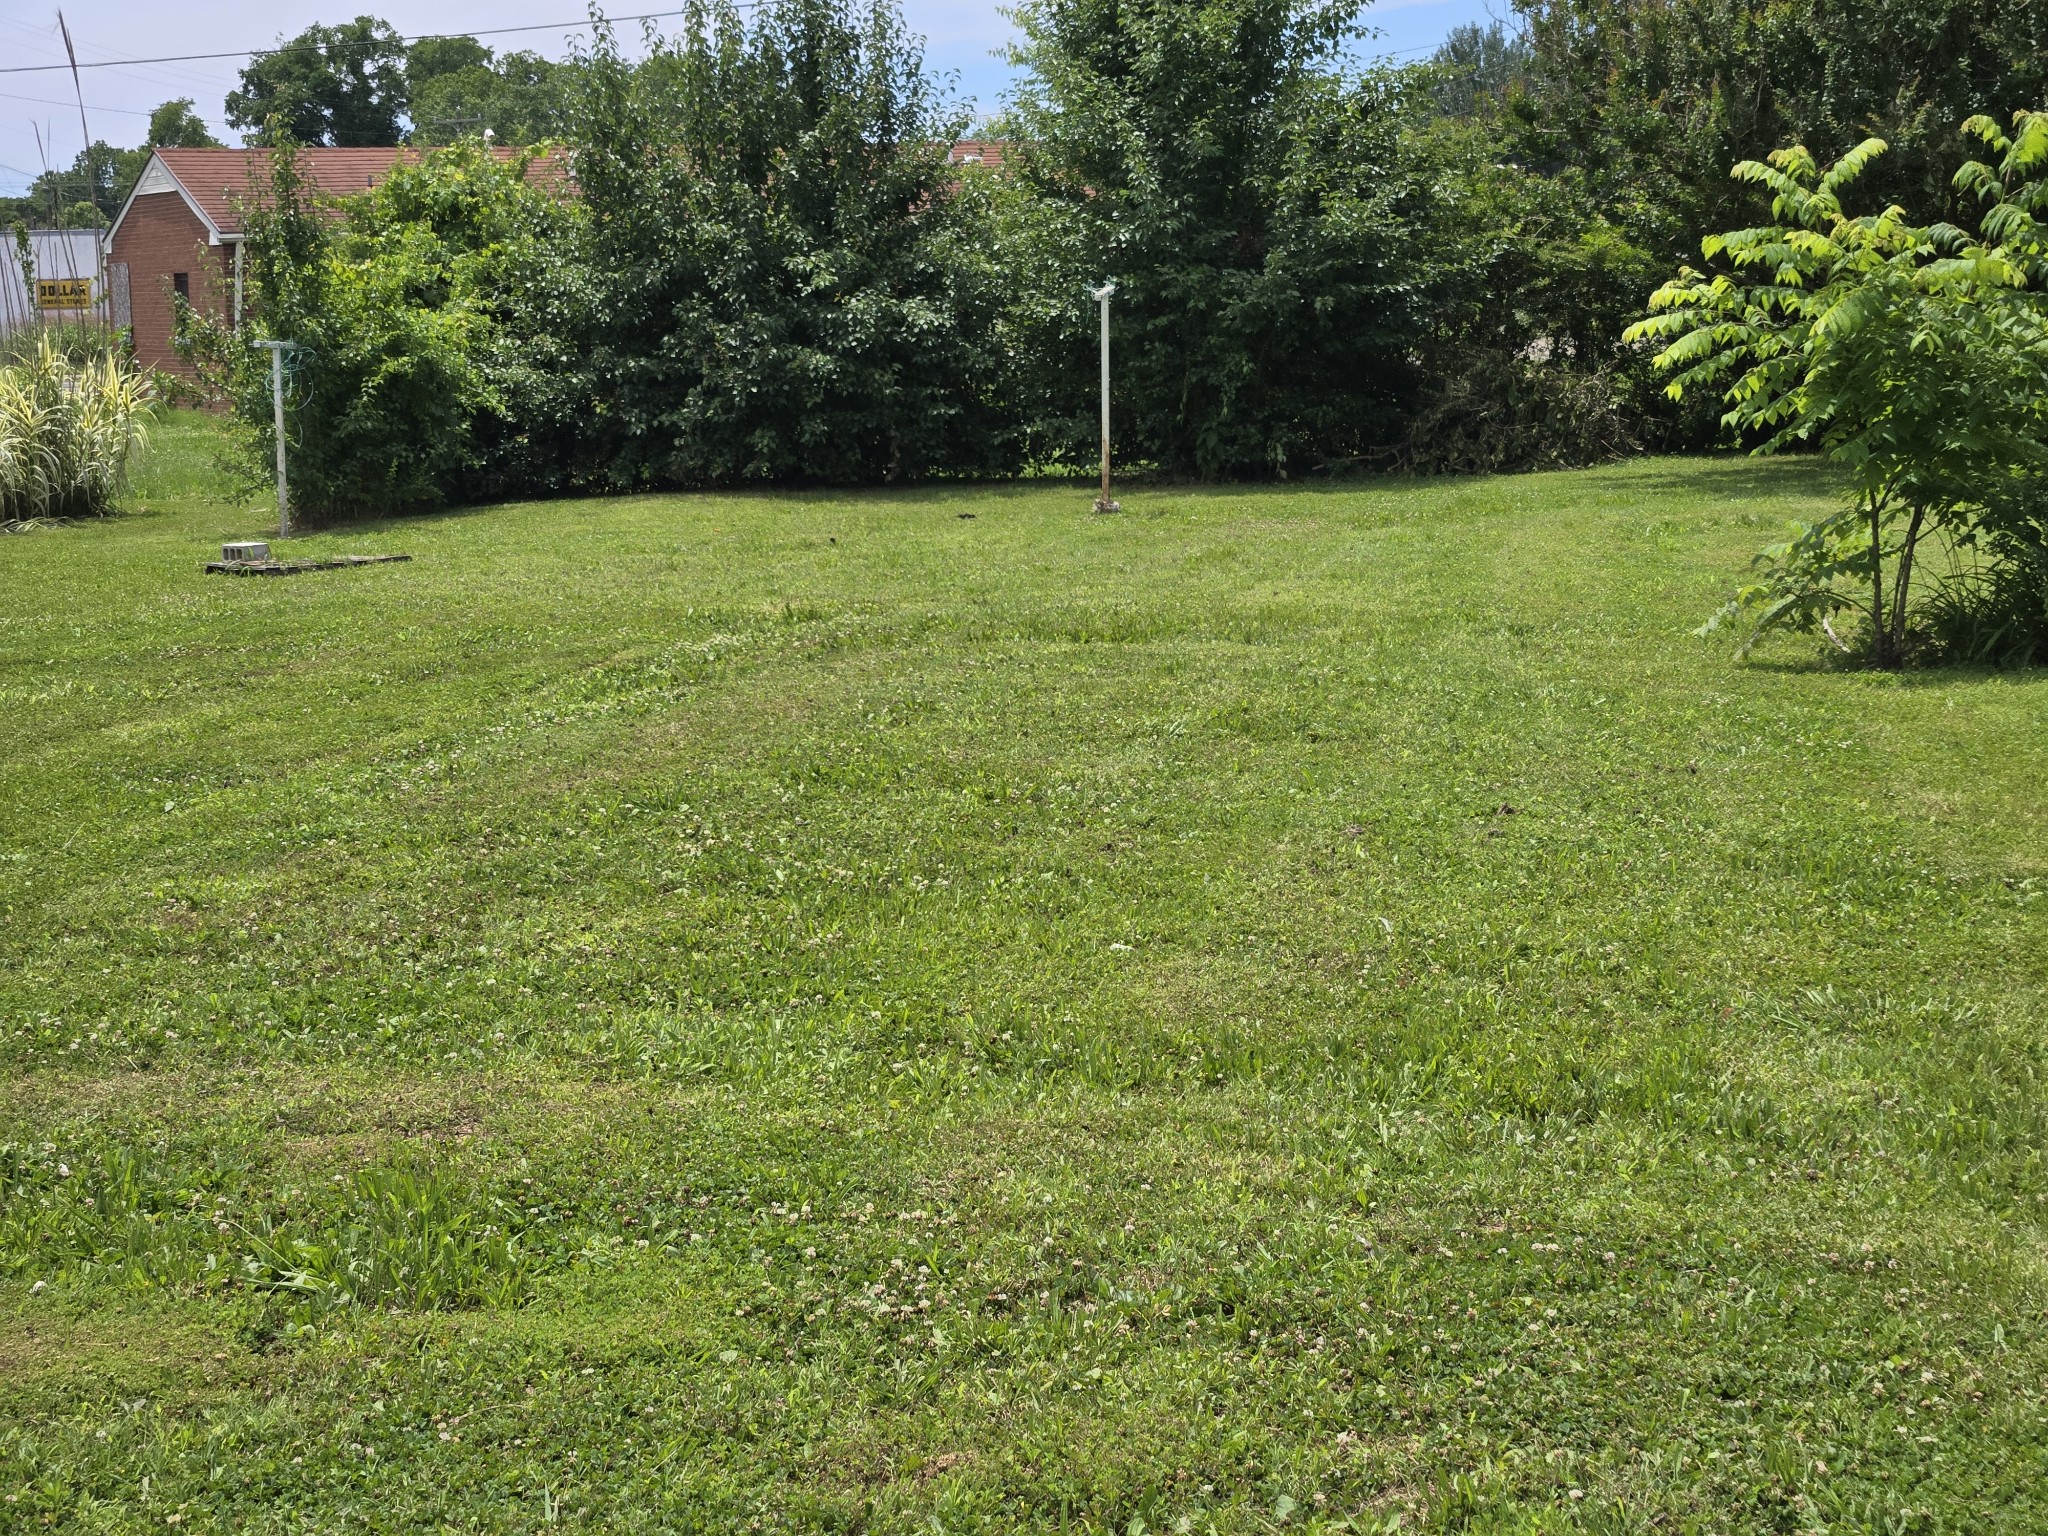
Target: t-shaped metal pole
<point x="277" y="350"/>
<point x="1101" y="296"/>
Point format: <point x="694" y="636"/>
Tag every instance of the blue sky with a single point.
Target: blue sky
<point x="963" y="39"/>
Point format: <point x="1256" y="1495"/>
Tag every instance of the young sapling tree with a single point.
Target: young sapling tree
<point x="1914" y="357"/>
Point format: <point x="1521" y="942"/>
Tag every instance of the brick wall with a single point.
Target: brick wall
<point x="159" y="237"/>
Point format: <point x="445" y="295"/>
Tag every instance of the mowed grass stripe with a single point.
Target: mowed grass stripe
<point x="1290" y="1005"/>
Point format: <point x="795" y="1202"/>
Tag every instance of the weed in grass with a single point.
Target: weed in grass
<point x="409" y="1241"/>
<point x="386" y="1237"/>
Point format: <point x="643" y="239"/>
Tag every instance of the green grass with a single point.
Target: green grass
<point x="1310" y="1008"/>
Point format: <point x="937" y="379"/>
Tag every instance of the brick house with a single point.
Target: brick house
<point x="181" y="230"/>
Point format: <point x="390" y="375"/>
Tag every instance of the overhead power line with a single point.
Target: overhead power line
<point x="258" y="53"/>
<point x="51" y="101"/>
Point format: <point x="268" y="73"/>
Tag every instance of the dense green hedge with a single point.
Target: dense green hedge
<point x="769" y="271"/>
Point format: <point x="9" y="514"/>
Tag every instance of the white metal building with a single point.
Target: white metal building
<point x="68" y="256"/>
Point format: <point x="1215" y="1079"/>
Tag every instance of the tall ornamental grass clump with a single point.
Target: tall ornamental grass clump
<point x="67" y="432"/>
<point x="76" y="340"/>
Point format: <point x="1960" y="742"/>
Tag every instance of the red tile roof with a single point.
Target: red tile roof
<point x="220" y="180"/>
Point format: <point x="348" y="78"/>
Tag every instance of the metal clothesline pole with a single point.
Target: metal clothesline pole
<point x="277" y="350"/>
<point x="1101" y="296"/>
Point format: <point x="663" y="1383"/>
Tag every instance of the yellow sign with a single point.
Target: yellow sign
<point x="64" y="293"/>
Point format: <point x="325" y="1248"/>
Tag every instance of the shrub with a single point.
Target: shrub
<point x="1487" y="412"/>
<point x="68" y="430"/>
<point x="769" y="272"/>
<point x="784" y="279"/>
<point x="397" y="300"/>
<point x="1991" y="612"/>
<point x="1916" y="358"/>
<point x="1256" y="208"/>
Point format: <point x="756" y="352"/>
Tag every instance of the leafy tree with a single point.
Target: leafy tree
<point x="782" y="276"/>
<point x="176" y="125"/>
<point x="405" y="312"/>
<point x="90" y="191"/>
<point x="432" y="57"/>
<point x="521" y="98"/>
<point x="1252" y="204"/>
<point x="93" y="184"/>
<point x="769" y="273"/>
<point x="340" y="85"/>
<point x="1480" y="67"/>
<point x="1651" y="99"/>
<point x="1607" y="154"/>
<point x="1525" y="286"/>
<point x="1915" y="357"/>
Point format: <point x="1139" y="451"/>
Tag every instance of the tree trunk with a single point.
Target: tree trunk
<point x="1880" y="636"/>
<point x="1905" y="582"/>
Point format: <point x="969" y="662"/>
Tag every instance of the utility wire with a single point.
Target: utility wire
<point x="49" y="101"/>
<point x="424" y="37"/>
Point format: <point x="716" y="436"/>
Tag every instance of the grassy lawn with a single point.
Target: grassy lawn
<point x="1305" y="1008"/>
